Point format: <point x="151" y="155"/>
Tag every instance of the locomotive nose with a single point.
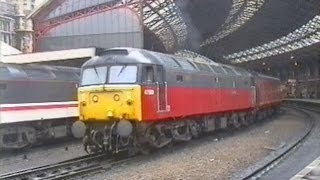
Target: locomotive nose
<point x="108" y="103"/>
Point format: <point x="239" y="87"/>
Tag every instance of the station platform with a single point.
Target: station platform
<point x="312" y="171"/>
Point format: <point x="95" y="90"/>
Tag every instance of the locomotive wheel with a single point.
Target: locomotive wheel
<point x="16" y="138"/>
<point x="195" y="129"/>
<point x="156" y="137"/>
<point x="89" y="146"/>
<point x="244" y="121"/>
<point x="145" y="148"/>
<point x="250" y="118"/>
<point x="236" y="121"/>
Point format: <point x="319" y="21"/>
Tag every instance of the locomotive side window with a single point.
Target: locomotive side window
<point x="148" y="75"/>
<point x="179" y="78"/>
<point x="123" y="74"/>
<point x="160" y="74"/>
<point x="94" y="76"/>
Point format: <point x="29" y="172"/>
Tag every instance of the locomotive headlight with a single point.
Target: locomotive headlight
<point x="116" y="97"/>
<point x="129" y="102"/>
<point x="95" y="98"/>
<point x="83" y="103"/>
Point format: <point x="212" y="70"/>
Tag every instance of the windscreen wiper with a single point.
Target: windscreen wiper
<point x="122" y="69"/>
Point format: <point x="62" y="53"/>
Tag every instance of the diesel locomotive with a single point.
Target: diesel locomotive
<point x="37" y="103"/>
<point x="136" y="100"/>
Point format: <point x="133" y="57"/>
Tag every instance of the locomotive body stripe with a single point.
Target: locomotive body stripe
<point x="36" y="106"/>
<point x="14" y="113"/>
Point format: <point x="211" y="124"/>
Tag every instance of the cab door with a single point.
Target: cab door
<point x="162" y="89"/>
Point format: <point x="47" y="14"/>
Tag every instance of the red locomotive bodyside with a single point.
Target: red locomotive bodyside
<point x="188" y="94"/>
<point x="184" y="102"/>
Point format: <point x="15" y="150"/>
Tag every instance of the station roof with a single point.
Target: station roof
<point x="220" y="29"/>
<point x="162" y="17"/>
<point x="272" y="22"/>
<point x="40" y="7"/>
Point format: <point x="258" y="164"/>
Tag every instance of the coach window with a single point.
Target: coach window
<point x="70" y="76"/>
<point x="4" y="72"/>
<point x="38" y="73"/>
<point x="17" y="72"/>
<point x="148" y="75"/>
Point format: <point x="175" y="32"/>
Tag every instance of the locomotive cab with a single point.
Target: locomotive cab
<point x="113" y="86"/>
<point x="110" y="92"/>
<point x="114" y="92"/>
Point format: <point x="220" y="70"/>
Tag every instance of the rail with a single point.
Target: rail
<point x="260" y="171"/>
<point x="66" y="169"/>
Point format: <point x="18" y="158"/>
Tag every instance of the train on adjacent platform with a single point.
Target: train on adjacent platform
<point x="37" y="103"/>
<point x="136" y="100"/>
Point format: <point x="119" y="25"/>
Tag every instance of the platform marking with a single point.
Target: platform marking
<point x="306" y="170"/>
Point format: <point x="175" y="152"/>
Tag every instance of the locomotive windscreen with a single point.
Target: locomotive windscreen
<point x="94" y="76"/>
<point x="116" y="75"/>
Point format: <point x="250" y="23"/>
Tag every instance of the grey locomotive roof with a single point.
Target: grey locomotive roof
<point x="132" y="55"/>
<point x="121" y="55"/>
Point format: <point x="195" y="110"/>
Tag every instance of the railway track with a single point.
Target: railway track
<point x="65" y="169"/>
<point x="101" y="162"/>
<point x="260" y="171"/>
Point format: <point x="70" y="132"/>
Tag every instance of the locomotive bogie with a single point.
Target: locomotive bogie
<point x="20" y="135"/>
